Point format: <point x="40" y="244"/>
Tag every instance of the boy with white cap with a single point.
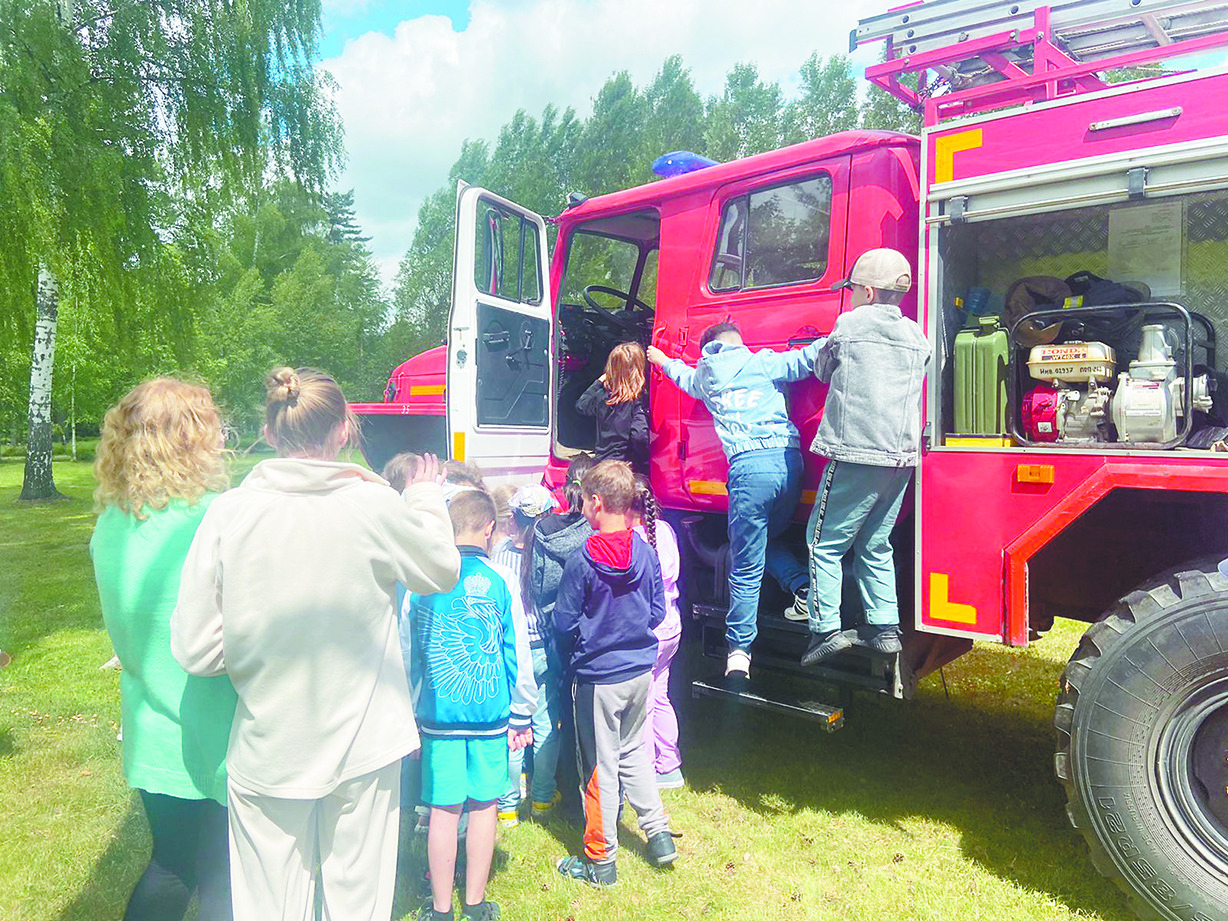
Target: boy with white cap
<point x="874" y="363"/>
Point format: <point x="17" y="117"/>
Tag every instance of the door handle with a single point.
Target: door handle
<point x="804" y="336"/>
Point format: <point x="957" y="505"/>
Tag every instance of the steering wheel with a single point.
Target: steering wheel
<point x="623" y="322"/>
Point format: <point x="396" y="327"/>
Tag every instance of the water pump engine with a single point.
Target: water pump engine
<point x="1150" y="396"/>
<point x="1073" y="403"/>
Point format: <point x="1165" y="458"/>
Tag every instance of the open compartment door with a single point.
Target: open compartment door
<point x="498" y="374"/>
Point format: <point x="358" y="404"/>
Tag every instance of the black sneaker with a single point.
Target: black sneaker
<point x="823" y="645"/>
<point x="585" y="871"/>
<point x="429" y="913"/>
<point x="661" y="850"/>
<point x="885" y="640"/>
<point x="484" y="910"/>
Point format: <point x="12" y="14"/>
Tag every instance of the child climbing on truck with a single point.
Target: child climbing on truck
<point x="744" y="392"/>
<point x="874" y="363"/>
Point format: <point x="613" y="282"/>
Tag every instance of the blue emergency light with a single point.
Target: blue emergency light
<point x="680" y="162"/>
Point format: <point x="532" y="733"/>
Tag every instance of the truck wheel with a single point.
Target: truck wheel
<point x="1142" y="750"/>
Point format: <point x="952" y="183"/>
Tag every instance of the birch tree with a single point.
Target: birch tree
<point x="123" y="118"/>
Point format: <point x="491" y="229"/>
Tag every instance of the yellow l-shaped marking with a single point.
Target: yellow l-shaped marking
<point x="947" y="146"/>
<point x="941" y="606"/>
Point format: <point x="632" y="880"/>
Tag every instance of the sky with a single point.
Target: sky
<point x="417" y="77"/>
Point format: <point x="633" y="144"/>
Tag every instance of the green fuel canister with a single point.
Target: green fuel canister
<point x="980" y="378"/>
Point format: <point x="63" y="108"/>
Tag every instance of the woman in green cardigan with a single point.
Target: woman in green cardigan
<point x="160" y="461"/>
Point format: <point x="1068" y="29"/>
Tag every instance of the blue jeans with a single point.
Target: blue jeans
<point x="545" y="737"/>
<point x="764" y="490"/>
<point x="856" y="507"/>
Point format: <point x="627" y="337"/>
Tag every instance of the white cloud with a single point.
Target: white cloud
<point x="408" y="100"/>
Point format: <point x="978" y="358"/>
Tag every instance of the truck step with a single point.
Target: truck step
<point x="776" y="696"/>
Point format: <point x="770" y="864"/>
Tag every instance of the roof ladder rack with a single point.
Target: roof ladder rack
<point x="993" y="53"/>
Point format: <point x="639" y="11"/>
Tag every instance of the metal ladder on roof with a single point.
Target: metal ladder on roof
<point x="1030" y="49"/>
<point x="1087" y="29"/>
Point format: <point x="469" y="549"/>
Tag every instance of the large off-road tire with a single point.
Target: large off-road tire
<point x="1142" y="750"/>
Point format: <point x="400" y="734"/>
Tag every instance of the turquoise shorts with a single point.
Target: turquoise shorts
<point x="457" y="770"/>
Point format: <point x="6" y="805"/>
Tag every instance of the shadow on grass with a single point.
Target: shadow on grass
<point x="105" y="893"/>
<point x="7" y="748"/>
<point x="981" y="764"/>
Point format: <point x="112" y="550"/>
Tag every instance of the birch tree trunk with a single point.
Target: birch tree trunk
<point x="38" y="482"/>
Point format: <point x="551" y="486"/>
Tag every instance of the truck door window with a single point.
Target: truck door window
<point x="513" y="374"/>
<point x="774" y="236"/>
<point x="507" y="255"/>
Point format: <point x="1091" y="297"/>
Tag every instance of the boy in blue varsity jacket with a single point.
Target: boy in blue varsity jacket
<point x="610" y="599"/>
<point x="474" y="697"/>
<point x="744" y="391"/>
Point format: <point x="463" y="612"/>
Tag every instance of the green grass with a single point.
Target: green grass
<point x="928" y="809"/>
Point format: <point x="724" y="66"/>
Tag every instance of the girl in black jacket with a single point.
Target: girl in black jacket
<point x="617" y="400"/>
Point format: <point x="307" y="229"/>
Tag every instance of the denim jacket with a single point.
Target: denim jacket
<point x="744" y="392"/>
<point x="874" y="361"/>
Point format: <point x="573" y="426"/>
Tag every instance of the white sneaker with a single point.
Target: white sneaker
<point x="737" y="663"/>
<point x="799" y="610"/>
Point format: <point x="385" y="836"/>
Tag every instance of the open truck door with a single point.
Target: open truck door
<point x="498" y="371"/>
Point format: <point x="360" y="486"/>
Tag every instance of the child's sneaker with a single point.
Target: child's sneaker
<point x="429" y="913"/>
<point x="799" y="610"/>
<point x="661" y="849"/>
<point x="585" y="871"/>
<point x="541" y="810"/>
<point x="825" y="644"/>
<point x="509" y="818"/>
<point x="484" y="910"/>
<point x="670" y="780"/>
<point x="884" y="639"/>
<point x="737" y="664"/>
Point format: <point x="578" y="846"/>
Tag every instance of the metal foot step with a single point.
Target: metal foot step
<point x="772" y="694"/>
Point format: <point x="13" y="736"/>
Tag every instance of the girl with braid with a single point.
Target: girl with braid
<point x="661" y="728"/>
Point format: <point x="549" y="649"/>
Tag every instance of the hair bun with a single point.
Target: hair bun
<point x="282" y="386"/>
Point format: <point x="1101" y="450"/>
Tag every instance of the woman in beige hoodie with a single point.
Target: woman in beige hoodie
<point x="289" y="590"/>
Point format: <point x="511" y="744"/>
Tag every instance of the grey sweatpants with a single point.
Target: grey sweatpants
<point x="614" y="762"/>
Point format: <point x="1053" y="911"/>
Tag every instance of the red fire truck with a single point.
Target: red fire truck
<point x="1071" y="247"/>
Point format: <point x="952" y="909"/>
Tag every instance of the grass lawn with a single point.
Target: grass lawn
<point x="934" y="808"/>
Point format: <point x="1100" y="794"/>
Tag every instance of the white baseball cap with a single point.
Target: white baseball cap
<point x="883" y="269"/>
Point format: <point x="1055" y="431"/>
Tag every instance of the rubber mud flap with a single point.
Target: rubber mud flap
<point x="1141" y="719"/>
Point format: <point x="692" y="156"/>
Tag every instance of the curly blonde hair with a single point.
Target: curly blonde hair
<point x="162" y="441"/>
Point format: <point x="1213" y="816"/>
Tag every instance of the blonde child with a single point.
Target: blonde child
<point x="661" y="728"/>
<point x="616" y="399"/>
<point x="161" y="463"/>
<point x="610" y="600"/>
<point x="474" y="699"/>
<point x="288" y="589"/>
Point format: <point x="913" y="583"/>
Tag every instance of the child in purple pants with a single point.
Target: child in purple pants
<point x="661" y="728"/>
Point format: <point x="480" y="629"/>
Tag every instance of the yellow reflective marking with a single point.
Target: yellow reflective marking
<point x="458" y="446"/>
<point x="707" y="488"/>
<point x="947" y="146"/>
<point x="942" y="608"/>
<point x="426" y="390"/>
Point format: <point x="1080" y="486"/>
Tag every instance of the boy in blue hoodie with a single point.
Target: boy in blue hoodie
<point x="610" y="599"/>
<point x="744" y="392"/>
<point x="474" y="697"/>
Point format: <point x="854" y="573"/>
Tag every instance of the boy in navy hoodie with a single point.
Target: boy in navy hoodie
<point x="474" y="697"/>
<point x="610" y="599"/>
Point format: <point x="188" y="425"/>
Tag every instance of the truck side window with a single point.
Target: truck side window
<point x="774" y="236"/>
<point x="507" y="255"/>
